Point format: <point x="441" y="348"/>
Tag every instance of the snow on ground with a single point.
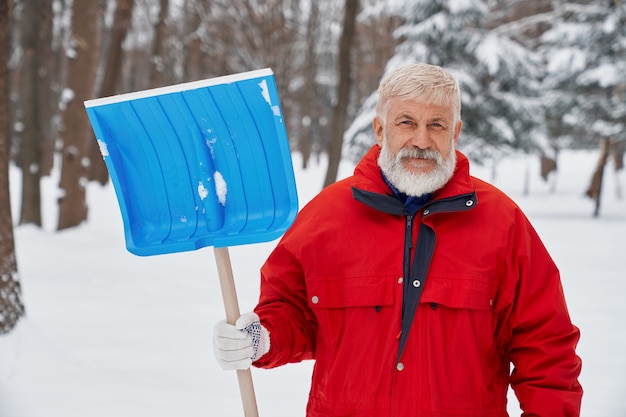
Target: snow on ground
<point x="109" y="333"/>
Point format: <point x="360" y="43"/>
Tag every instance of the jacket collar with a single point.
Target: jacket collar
<point x="370" y="187"/>
<point x="412" y="203"/>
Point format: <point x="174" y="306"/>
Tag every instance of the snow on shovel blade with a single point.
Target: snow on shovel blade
<point x="198" y="164"/>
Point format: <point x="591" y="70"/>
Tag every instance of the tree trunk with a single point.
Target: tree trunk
<point x="157" y="62"/>
<point x="618" y="162"/>
<point x="29" y="156"/>
<point x="305" y="138"/>
<point x="343" y="91"/>
<point x="56" y="64"/>
<point x="595" y="187"/>
<point x="11" y="307"/>
<point x="122" y="19"/>
<point x="48" y="107"/>
<point x="76" y="127"/>
<point x="193" y="59"/>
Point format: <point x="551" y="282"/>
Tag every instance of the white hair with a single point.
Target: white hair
<point x="419" y="82"/>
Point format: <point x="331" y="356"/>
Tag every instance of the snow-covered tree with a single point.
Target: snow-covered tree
<point x="585" y="52"/>
<point x="500" y="77"/>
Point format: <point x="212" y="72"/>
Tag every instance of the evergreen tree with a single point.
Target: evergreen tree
<point x="586" y="73"/>
<point x="499" y="76"/>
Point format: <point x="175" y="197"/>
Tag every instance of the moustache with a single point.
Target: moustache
<point x="419" y="153"/>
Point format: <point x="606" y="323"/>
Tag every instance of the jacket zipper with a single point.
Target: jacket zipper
<point x="408" y="246"/>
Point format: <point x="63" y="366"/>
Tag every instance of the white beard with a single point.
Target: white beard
<point x="416" y="183"/>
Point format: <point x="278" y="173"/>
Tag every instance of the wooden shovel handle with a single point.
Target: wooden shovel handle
<point x="231" y="305"/>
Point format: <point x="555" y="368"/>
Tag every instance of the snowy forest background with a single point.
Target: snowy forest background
<point x="538" y="77"/>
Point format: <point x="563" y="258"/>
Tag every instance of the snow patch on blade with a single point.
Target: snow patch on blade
<point x="103" y="148"/>
<point x="221" y="188"/>
<point x="266" y="95"/>
<point x="202" y="191"/>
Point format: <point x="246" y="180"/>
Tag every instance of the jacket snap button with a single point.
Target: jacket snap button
<point x="400" y="366"/>
<point x="315" y="299"/>
<point x="400" y="280"/>
<point x="469" y="203"/>
<point x="426" y="212"/>
<point x="416" y="283"/>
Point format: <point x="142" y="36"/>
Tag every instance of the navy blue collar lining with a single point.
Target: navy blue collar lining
<point x="411" y="202"/>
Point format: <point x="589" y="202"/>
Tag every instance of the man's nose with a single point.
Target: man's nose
<point x="421" y="138"/>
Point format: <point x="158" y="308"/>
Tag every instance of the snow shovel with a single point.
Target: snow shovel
<point x="198" y="164"/>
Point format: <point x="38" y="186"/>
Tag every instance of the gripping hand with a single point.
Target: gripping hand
<point x="236" y="347"/>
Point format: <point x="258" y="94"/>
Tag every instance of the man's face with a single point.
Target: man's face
<point x="418" y="144"/>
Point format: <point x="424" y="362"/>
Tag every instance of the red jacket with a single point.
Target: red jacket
<point x="481" y="293"/>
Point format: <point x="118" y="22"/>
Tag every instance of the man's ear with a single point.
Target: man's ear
<point x="457" y="132"/>
<point x="378" y="127"/>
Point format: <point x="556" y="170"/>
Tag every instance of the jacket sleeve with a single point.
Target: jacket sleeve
<point x="538" y="335"/>
<point x="284" y="311"/>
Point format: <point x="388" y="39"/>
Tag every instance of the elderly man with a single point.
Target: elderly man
<point x="412" y="284"/>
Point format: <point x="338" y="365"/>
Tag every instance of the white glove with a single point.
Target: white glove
<point x="236" y="347"/>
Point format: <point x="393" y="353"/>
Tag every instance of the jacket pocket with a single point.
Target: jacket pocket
<point x="462" y="291"/>
<point x="455" y="335"/>
<point x="357" y="320"/>
<point x="342" y="292"/>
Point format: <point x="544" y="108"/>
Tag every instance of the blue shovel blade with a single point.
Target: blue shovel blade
<point x="205" y="163"/>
